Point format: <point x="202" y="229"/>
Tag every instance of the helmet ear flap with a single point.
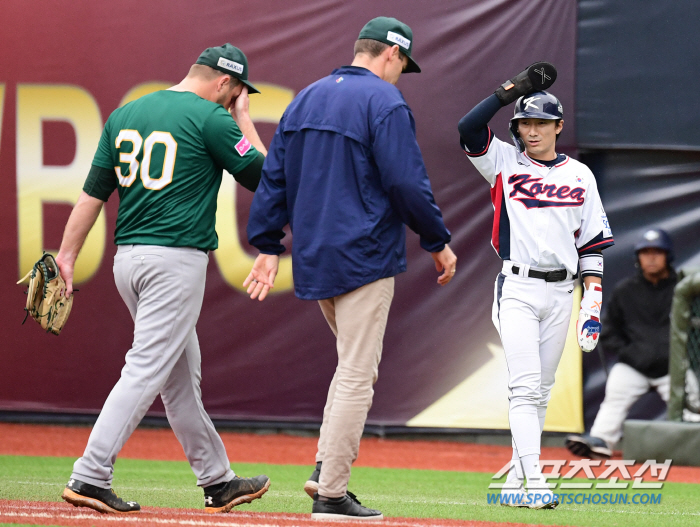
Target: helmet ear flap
<point x="515" y="134"/>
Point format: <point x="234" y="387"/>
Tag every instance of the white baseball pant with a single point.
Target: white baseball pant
<point x="532" y="317"/>
<point x="624" y="387"/>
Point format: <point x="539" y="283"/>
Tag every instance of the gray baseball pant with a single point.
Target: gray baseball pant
<point x="163" y="287"/>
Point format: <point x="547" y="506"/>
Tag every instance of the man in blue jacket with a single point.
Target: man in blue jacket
<point x="346" y="173"/>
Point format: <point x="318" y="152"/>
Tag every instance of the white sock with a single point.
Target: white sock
<point x="533" y="473"/>
<point x="515" y="475"/>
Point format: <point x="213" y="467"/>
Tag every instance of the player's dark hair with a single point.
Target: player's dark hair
<point x="556" y="123"/>
<point x="373" y="48"/>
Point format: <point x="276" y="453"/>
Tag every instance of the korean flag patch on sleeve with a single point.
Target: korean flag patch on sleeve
<point x="607" y="231"/>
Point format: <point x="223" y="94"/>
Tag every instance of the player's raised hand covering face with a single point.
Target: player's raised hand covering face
<point x="240" y="104"/>
<point x="228" y="91"/>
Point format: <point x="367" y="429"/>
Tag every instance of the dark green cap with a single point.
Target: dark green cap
<point x="230" y="60"/>
<point x="391" y="31"/>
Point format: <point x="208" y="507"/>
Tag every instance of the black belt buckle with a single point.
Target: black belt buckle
<point x="555" y="276"/>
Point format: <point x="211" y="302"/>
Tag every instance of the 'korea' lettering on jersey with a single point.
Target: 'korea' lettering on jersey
<point x="545" y="217"/>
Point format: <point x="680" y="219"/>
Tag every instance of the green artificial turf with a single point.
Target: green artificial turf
<point x="396" y="492"/>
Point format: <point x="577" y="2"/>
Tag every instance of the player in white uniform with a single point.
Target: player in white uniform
<point x="549" y="226"/>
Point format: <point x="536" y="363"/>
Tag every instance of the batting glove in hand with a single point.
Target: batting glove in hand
<point x="537" y="77"/>
<point x="588" y="326"/>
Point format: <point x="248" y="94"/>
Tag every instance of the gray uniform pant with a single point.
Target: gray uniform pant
<point x="358" y="320"/>
<point x="624" y="387"/>
<point x="163" y="288"/>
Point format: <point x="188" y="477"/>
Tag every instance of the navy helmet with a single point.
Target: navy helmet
<point x="537" y="105"/>
<point x="656" y="239"/>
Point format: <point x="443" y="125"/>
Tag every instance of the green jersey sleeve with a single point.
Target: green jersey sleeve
<point x="103" y="156"/>
<point x="229" y="148"/>
<point x="100" y="183"/>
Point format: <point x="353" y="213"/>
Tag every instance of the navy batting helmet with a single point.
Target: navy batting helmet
<point x="537" y="105"/>
<point x="656" y="239"/>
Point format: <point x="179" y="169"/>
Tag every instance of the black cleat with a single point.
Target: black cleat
<point x="578" y="446"/>
<point x="81" y="494"/>
<point x="347" y="507"/>
<point x="599" y="448"/>
<point x="311" y="486"/>
<point x="589" y="447"/>
<point x="223" y="497"/>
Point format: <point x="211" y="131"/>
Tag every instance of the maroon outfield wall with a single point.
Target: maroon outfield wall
<point x="271" y="360"/>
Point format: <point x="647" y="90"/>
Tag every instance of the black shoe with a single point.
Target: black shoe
<point x="588" y="447"/>
<point x="599" y="448"/>
<point x="311" y="486"/>
<point x="81" y="494"/>
<point x="223" y="497"/>
<point x="578" y="446"/>
<point x="347" y="507"/>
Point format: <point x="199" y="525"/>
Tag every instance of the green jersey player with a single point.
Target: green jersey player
<point x="165" y="154"/>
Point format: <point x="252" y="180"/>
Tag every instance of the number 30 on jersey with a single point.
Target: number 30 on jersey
<point x="129" y="158"/>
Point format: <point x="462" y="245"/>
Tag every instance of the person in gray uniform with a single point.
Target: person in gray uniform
<point x="165" y="154"/>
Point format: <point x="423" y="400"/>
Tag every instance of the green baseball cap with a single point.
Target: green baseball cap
<point x="391" y="31"/>
<point x="230" y="60"/>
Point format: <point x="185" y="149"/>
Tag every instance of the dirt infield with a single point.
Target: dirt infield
<point x="43" y="513"/>
<point x="161" y="444"/>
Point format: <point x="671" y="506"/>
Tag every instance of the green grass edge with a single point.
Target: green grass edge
<point x="396" y="492"/>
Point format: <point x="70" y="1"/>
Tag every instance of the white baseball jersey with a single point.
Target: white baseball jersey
<point x="543" y="217"/>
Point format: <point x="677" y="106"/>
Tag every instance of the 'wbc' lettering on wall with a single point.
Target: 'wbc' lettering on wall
<point x="38" y="183"/>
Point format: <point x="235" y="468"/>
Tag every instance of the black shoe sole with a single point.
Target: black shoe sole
<point x="92" y="503"/>
<point x="247" y="498"/>
<point x="327" y="516"/>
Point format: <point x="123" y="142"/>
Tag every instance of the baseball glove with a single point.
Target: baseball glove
<point x="46" y="301"/>
<point x="536" y="77"/>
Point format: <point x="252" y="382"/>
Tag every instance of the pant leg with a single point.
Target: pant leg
<point x="554" y="328"/>
<point x="163" y="288"/>
<point x="663" y="386"/>
<point x="553" y="331"/>
<point x="323" y="433"/>
<point x="182" y="397"/>
<point x="624" y="387"/>
<point x="515" y="313"/>
<point x="328" y="309"/>
<point x="360" y="321"/>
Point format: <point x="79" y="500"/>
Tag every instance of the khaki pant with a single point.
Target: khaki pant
<point x="358" y="320"/>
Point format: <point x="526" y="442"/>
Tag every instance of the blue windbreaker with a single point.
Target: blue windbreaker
<point x="345" y="171"/>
